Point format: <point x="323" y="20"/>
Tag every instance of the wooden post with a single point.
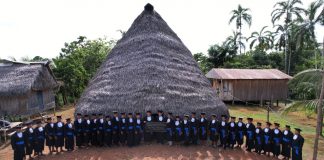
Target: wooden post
<point x="268" y="111"/>
<point x="277" y="103"/>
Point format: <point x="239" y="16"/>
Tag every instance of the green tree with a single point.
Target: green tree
<point x="77" y="63"/>
<point x="263" y="39"/>
<point x="287" y="9"/>
<point x="234" y="41"/>
<point x="240" y="15"/>
<point x="203" y="62"/>
<point x="219" y="54"/>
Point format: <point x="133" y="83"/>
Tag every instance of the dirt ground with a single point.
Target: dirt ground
<point x="147" y="152"/>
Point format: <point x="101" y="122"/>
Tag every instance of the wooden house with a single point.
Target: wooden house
<point x="249" y="84"/>
<point x="26" y="88"/>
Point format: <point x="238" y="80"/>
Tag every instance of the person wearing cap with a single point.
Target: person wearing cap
<point x="50" y="135"/>
<point x="69" y="135"/>
<point x="178" y="129"/>
<point x="160" y="135"/>
<point x="240" y="132"/>
<point x="267" y="139"/>
<point x="297" y="145"/>
<point x="116" y="128"/>
<point x="186" y="130"/>
<point x="59" y="134"/>
<point x="258" y="138"/>
<point x="223" y="132"/>
<point x="213" y="127"/>
<point x="169" y="129"/>
<point x="39" y="139"/>
<point x="18" y="144"/>
<point x="93" y="127"/>
<point x="86" y="124"/>
<point x="108" y="128"/>
<point x="138" y="129"/>
<point x="286" y="142"/>
<point x="194" y="123"/>
<point x="100" y="130"/>
<point x="78" y="125"/>
<point x="203" y="126"/>
<point x="277" y="137"/>
<point x="123" y="129"/>
<point x="232" y="132"/>
<point x="148" y="135"/>
<point x="29" y="139"/>
<point x="250" y="129"/>
<point x="130" y="124"/>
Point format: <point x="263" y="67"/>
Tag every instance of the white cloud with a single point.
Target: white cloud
<point x="39" y="27"/>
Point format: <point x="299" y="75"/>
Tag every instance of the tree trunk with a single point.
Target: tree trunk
<point x="319" y="119"/>
<point x="322" y="58"/>
<point x="240" y="40"/>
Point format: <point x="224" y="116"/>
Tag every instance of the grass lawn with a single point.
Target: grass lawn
<point x="295" y="119"/>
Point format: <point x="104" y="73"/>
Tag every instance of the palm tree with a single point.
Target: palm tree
<point x="288" y="9"/>
<point x="239" y="15"/>
<point x="233" y="41"/>
<point x="263" y="39"/>
<point x="305" y="31"/>
<point x="279" y="37"/>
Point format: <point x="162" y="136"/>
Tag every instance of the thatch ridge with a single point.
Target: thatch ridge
<point x="150" y="69"/>
<point x="19" y="78"/>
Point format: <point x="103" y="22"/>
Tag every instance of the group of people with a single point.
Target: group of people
<point x="128" y="129"/>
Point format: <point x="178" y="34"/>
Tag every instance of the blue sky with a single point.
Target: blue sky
<point x="40" y="27"/>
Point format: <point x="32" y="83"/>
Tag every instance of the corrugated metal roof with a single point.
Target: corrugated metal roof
<point x="221" y="73"/>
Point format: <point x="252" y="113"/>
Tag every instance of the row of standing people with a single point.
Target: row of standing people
<point x="97" y="130"/>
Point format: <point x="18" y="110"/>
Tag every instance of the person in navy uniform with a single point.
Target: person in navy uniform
<point x="267" y="139"/>
<point x="297" y="145"/>
<point x="160" y="135"/>
<point x="50" y="135"/>
<point x="116" y="128"/>
<point x="203" y="126"/>
<point x="213" y="128"/>
<point x="59" y="134"/>
<point x="29" y="139"/>
<point x="276" y="139"/>
<point x="286" y="142"/>
<point x="39" y="139"/>
<point x="186" y="130"/>
<point x="18" y="144"/>
<point x="250" y="129"/>
<point x="178" y="129"/>
<point x="169" y="129"/>
<point x="86" y="129"/>
<point x="93" y="127"/>
<point x="123" y="129"/>
<point x="78" y="125"/>
<point x="148" y="135"/>
<point x="130" y="124"/>
<point x="240" y="132"/>
<point x="100" y="130"/>
<point x="194" y="128"/>
<point x="223" y="132"/>
<point x="138" y="129"/>
<point x="108" y="128"/>
<point x="69" y="135"/>
<point x="232" y="132"/>
<point x="258" y="138"/>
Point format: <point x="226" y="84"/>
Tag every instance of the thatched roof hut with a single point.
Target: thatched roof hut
<point x="26" y="88"/>
<point x="150" y="69"/>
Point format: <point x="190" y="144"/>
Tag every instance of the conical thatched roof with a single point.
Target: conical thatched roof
<point x="150" y="69"/>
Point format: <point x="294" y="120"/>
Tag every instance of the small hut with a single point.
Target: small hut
<point x="249" y="84"/>
<point x="150" y="69"/>
<point x="26" y="88"/>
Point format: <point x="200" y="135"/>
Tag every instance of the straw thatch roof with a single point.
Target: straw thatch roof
<point x="150" y="69"/>
<point x="19" y="78"/>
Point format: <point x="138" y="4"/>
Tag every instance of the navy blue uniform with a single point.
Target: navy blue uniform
<point x="108" y="127"/>
<point x="116" y="130"/>
<point x="18" y="145"/>
<point x="138" y="131"/>
<point x="240" y="133"/>
<point x="50" y="134"/>
<point x="232" y="132"/>
<point x="69" y="136"/>
<point x="297" y="147"/>
<point x="250" y="129"/>
<point x="223" y="133"/>
<point x="59" y="134"/>
<point x="186" y="132"/>
<point x="100" y="132"/>
<point x="267" y="139"/>
<point x="86" y="129"/>
<point x="78" y="125"/>
<point x="277" y="137"/>
<point x="258" y="140"/>
<point x="286" y="143"/>
<point x="39" y="140"/>
<point x="194" y="130"/>
<point x="130" y="124"/>
<point x="203" y="126"/>
<point x="29" y="140"/>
